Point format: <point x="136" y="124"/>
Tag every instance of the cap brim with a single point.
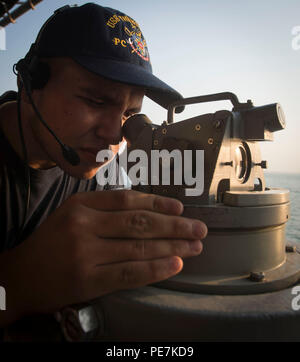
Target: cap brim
<point x="128" y="73"/>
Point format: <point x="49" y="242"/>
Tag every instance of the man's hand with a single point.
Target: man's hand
<point x="96" y="243"/>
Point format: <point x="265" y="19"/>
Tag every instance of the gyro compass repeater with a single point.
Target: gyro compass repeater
<point x="240" y="286"/>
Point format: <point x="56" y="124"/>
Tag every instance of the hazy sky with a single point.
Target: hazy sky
<point x="206" y="46"/>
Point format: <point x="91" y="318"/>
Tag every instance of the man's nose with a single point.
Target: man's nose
<point x="111" y="129"/>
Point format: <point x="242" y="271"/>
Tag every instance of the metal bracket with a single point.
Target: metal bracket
<point x="209" y="98"/>
<point x="11" y="19"/>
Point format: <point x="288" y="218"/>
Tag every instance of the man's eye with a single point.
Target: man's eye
<point x="93" y="102"/>
<point x="96" y="103"/>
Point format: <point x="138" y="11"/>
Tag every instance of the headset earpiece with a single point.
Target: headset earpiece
<point x="34" y="72"/>
<point x="40" y="75"/>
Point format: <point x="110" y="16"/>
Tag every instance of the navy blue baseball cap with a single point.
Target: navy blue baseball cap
<point x="106" y="42"/>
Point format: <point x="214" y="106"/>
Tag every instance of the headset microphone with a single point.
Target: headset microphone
<point x="69" y="154"/>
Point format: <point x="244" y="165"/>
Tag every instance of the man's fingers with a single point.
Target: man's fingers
<point x="114" y="251"/>
<point x="131" y="274"/>
<point x="128" y="200"/>
<point x="141" y="224"/>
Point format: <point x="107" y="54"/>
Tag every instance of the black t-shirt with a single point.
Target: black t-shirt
<point x="48" y="189"/>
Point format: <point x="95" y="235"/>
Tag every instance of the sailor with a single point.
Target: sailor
<point x="63" y="239"/>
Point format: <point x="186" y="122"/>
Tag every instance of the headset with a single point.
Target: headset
<point x="34" y="74"/>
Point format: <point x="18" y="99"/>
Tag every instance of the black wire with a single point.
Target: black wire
<point x="41" y="118"/>
<point x="25" y="82"/>
<point x="28" y="189"/>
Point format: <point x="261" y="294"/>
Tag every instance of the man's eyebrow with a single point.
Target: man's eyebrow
<point x="107" y="98"/>
<point x="95" y="93"/>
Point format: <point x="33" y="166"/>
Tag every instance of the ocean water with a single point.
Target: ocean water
<point x="292" y="183"/>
